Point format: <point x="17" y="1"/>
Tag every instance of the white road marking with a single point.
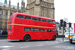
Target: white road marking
<point x="3" y="40"/>
<point x="5" y="49"/>
<point x="40" y="45"/>
<point x="47" y="42"/>
<point x="54" y="43"/>
<point x="5" y="46"/>
<point x="24" y="47"/>
<point x="12" y="43"/>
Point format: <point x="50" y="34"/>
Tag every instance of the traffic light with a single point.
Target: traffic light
<point x="64" y="24"/>
<point x="61" y="22"/>
<point x="69" y="24"/>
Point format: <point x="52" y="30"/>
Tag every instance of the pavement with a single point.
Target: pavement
<point x="62" y="39"/>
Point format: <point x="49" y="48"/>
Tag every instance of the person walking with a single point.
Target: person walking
<point x="1" y="31"/>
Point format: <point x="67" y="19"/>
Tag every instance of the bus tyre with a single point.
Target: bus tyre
<point x="27" y="38"/>
<point x="54" y="37"/>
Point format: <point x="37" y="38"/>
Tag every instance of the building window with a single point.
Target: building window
<point x="34" y="29"/>
<point x="22" y="5"/>
<point x="40" y="0"/>
<point x="10" y="13"/>
<point x="6" y="16"/>
<point x="27" y="29"/>
<point x="20" y="16"/>
<point x="47" y="0"/>
<point x="5" y="25"/>
<point x="0" y="25"/>
<point x="1" y="14"/>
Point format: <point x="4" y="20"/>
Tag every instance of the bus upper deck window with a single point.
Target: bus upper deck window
<point x="49" y="21"/>
<point x="27" y="17"/>
<point x="35" y="19"/>
<point x="20" y="16"/>
<point x="39" y="19"/>
<point x="43" y="20"/>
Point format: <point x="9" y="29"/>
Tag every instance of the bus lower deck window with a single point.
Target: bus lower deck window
<point x="9" y="27"/>
<point x="43" y="30"/>
<point x="39" y="30"/>
<point x="48" y="30"/>
<point x="34" y="29"/>
<point x="27" y="29"/>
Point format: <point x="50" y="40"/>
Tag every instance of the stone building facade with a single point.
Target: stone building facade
<point x="43" y="8"/>
<point x="6" y="10"/>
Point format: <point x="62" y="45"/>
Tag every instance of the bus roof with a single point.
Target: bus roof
<point x="33" y="16"/>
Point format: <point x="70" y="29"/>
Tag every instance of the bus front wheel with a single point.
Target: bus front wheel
<point x="27" y="38"/>
<point x="54" y="37"/>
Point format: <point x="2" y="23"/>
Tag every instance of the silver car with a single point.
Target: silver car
<point x="72" y="39"/>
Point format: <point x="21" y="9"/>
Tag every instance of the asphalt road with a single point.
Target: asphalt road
<point x="58" y="44"/>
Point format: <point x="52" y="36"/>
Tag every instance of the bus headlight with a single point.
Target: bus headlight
<point x="9" y="32"/>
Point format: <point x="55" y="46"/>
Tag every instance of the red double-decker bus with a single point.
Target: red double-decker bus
<point x="28" y="27"/>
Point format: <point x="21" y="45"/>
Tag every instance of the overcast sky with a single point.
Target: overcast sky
<point x="63" y="8"/>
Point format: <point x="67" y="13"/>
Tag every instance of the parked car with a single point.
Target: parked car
<point x="72" y="39"/>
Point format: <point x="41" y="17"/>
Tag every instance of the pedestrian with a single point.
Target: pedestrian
<point x="1" y="31"/>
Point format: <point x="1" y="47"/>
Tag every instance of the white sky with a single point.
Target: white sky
<point x="63" y="8"/>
